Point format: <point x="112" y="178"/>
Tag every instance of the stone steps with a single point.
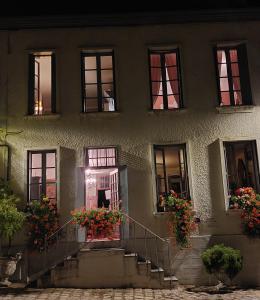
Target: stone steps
<point x="107" y="268"/>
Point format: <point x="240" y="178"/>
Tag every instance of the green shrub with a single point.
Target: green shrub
<point x="11" y="220"/>
<point x="220" y="259"/>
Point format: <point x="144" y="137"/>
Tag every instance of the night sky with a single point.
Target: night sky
<point x="28" y="8"/>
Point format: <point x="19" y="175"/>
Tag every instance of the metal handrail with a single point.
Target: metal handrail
<point x="60" y="228"/>
<point x="145" y="228"/>
<point x="130" y="244"/>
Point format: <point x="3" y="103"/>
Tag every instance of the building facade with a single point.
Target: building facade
<point x="126" y="113"/>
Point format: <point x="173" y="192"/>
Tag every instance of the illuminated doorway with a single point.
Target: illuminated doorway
<point x="102" y="184"/>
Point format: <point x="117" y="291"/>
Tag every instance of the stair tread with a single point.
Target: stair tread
<point x="170" y="278"/>
<point x="157" y="270"/>
<point x="101" y="249"/>
<point x="130" y="255"/>
<point x="144" y="262"/>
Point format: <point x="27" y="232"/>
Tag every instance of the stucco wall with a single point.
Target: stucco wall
<point x="134" y="129"/>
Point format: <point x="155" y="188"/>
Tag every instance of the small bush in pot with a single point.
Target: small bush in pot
<point x="11" y="222"/>
<point x="223" y="262"/>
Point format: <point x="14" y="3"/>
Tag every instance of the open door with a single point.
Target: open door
<point x="123" y="195"/>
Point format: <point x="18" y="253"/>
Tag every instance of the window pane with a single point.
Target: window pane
<point x="224" y="84"/>
<point x="90" y="62"/>
<point x="108" y="104"/>
<point x="158" y="102"/>
<point x="35" y="191"/>
<point x="50" y="175"/>
<point x="92" y="153"/>
<point x="36" y="160"/>
<point x="91" y="104"/>
<point x="173" y="101"/>
<point x="91" y="76"/>
<point x="106" y="62"/>
<point x="172" y="87"/>
<point x="233" y="55"/>
<point x="235" y="69"/>
<point x="36" y="176"/>
<point x="170" y="59"/>
<point x="107" y="76"/>
<point x="155" y="60"/>
<point x="51" y="191"/>
<point x="156" y="74"/>
<point x="221" y="56"/>
<point x="236" y="84"/>
<point x="50" y="160"/>
<point x="108" y="90"/>
<point x="157" y="88"/>
<point x="172" y="73"/>
<point x="91" y="91"/>
<point x="238" y="98"/>
<point x="222" y="69"/>
<point x="225" y="98"/>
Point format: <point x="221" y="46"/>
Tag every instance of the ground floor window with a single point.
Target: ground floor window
<point x="42" y="175"/>
<point x="241" y="165"/>
<point x="171" y="171"/>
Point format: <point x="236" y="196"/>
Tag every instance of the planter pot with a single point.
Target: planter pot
<point x="7" y="268"/>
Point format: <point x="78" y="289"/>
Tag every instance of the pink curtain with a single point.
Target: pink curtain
<point x="155" y="75"/>
<point x="236" y="85"/>
<point x="170" y="60"/>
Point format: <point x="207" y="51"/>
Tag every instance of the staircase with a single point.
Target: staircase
<point x="140" y="259"/>
<point x="108" y="268"/>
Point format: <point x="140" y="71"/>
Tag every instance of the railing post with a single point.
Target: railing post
<point x="45" y="250"/>
<point x="145" y="244"/>
<point x="156" y="252"/>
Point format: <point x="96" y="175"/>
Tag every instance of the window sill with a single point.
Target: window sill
<point x="165" y="213"/>
<point x="166" y="111"/>
<point x="106" y="114"/>
<point x="42" y="117"/>
<point x="235" y="109"/>
<point x="234" y="211"/>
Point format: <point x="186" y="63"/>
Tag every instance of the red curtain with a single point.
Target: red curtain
<point x="155" y="75"/>
<point x="236" y="85"/>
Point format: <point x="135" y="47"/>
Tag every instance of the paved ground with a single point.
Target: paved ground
<point x="124" y="294"/>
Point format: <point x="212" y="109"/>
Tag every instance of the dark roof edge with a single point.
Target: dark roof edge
<point x="130" y="19"/>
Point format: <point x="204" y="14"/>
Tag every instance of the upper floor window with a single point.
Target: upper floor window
<point x="165" y="79"/>
<point x="41" y="83"/>
<point x="171" y="171"/>
<point x="241" y="165"/>
<point x="42" y="175"/>
<point x="233" y="76"/>
<point x="98" y="81"/>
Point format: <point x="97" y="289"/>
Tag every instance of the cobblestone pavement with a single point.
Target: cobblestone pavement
<point x="125" y="294"/>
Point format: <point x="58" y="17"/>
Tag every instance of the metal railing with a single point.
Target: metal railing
<point x="134" y="238"/>
<point x="150" y="247"/>
<point x="57" y="247"/>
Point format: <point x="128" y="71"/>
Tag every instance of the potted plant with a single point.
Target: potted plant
<point x="98" y="222"/>
<point x="11" y="221"/>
